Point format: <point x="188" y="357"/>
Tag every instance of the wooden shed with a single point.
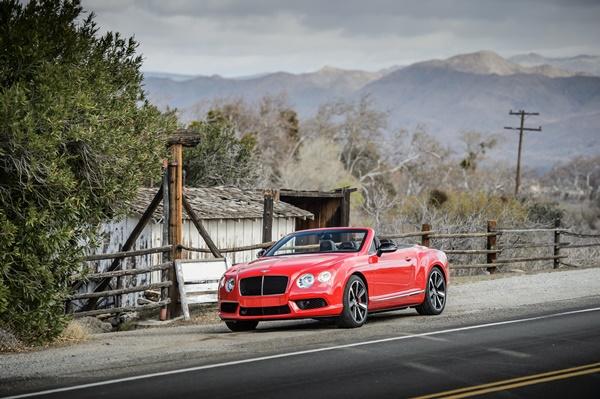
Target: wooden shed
<point x="330" y="208"/>
<point x="232" y="218"/>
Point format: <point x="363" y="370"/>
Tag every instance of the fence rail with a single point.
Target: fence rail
<point x="128" y="254"/>
<point x="122" y="309"/>
<point x="129" y="290"/>
<point x="229" y="250"/>
<point x="121" y="273"/>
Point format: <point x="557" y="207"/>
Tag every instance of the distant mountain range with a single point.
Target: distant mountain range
<point x="586" y="64"/>
<point x="465" y="92"/>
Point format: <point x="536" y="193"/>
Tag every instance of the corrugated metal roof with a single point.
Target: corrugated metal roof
<point x="222" y="203"/>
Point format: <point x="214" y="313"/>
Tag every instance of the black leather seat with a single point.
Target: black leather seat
<point x="348" y="245"/>
<point x="327" y="245"/>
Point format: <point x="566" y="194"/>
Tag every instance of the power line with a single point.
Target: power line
<point x="521" y="129"/>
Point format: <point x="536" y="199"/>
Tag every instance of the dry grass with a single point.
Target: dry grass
<point x="205" y="314"/>
<point x="10" y="343"/>
<point x="74" y="332"/>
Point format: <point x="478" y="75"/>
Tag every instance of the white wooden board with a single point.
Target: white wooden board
<point x="198" y="281"/>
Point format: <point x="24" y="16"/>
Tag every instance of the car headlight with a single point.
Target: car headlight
<point x="324" y="277"/>
<point x="230" y="284"/>
<point x="305" y="281"/>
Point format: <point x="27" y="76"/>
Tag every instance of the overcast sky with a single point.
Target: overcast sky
<point x="245" y="37"/>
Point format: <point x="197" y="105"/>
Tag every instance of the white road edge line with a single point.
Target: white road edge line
<point x="290" y="354"/>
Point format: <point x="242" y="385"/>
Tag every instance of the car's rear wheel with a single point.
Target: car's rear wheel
<point x="241" y="325"/>
<point x="435" y="294"/>
<point x="356" y="304"/>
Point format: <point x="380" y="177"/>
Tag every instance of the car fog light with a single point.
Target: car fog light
<point x="229" y="285"/>
<point x="305" y="281"/>
<point x="324" y="277"/>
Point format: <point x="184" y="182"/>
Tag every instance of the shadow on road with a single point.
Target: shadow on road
<point x="329" y="323"/>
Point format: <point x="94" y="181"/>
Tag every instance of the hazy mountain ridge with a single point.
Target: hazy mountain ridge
<point x="305" y="90"/>
<point x="466" y="92"/>
<point x="586" y="64"/>
<point x="447" y="102"/>
<point x="490" y="63"/>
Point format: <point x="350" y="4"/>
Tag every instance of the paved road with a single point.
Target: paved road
<point x="518" y="357"/>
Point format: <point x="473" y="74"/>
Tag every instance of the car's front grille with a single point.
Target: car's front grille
<point x="251" y="286"/>
<point x="266" y="311"/>
<point x="263" y="285"/>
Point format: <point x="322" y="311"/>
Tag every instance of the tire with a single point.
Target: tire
<point x="356" y="304"/>
<point x="241" y="325"/>
<point x="435" y="294"/>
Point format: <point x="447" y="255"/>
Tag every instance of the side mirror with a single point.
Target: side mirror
<point x="261" y="253"/>
<point x="386" y="247"/>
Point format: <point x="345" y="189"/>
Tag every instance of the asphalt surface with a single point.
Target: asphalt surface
<point x="510" y="352"/>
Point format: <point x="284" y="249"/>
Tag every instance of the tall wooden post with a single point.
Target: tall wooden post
<point x="425" y="240"/>
<point x="267" y="232"/>
<point x="345" y="208"/>
<point x="181" y="138"/>
<point x="166" y="256"/>
<point x="175" y="221"/>
<point x="556" y="243"/>
<point x="491" y="245"/>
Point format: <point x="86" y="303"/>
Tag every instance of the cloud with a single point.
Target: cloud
<point x="245" y="37"/>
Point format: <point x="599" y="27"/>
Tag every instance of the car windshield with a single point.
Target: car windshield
<point x="319" y="241"/>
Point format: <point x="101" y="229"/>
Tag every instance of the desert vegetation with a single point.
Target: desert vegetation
<point x="405" y="178"/>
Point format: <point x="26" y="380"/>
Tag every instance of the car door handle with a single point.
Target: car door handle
<point x="408" y="259"/>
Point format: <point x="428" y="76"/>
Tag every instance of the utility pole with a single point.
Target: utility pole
<point x="521" y="129"/>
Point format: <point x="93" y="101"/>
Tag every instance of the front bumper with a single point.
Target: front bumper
<point x="233" y="306"/>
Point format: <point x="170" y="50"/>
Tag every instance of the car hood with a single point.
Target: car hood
<point x="291" y="264"/>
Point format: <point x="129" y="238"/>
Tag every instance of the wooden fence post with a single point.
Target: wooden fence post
<point x="556" y="243"/>
<point x="425" y="237"/>
<point x="345" y="208"/>
<point x="491" y="245"/>
<point x="166" y="256"/>
<point x="175" y="223"/>
<point x="267" y="233"/>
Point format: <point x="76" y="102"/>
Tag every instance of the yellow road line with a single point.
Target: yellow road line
<point x="524" y="383"/>
<point x="515" y="382"/>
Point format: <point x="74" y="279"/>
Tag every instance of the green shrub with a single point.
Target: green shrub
<point x="220" y="158"/>
<point x="461" y="209"/>
<point x="77" y="139"/>
<point x="544" y="212"/>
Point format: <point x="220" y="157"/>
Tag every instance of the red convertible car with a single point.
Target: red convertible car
<point x="342" y="273"/>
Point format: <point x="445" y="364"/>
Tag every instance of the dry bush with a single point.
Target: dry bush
<point x="74" y="332"/>
<point x="316" y="166"/>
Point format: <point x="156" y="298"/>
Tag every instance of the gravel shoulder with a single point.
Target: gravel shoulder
<point x="147" y="350"/>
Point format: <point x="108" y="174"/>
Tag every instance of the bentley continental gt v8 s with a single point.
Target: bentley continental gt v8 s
<point x="342" y="273"/>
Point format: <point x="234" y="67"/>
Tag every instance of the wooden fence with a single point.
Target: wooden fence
<point x="493" y="252"/>
<point x="102" y="288"/>
<point x="481" y="244"/>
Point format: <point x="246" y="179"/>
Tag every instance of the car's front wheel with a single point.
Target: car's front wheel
<point x="435" y="294"/>
<point x="356" y="304"/>
<point x="241" y="325"/>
